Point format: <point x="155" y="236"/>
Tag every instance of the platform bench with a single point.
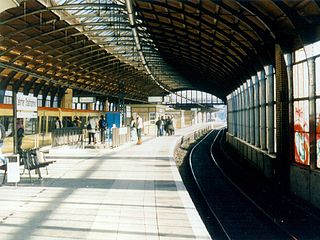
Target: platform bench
<point x="30" y="160"/>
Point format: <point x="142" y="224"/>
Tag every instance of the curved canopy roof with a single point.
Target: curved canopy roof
<point x="217" y="44"/>
<point x="91" y="45"/>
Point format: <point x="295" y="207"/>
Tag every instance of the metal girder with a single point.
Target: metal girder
<point x="37" y="88"/>
<point x="84" y="24"/>
<point x="4" y="83"/>
<point x="60" y="7"/>
<point x="297" y="21"/>
<point x="28" y="40"/>
<point x="28" y="85"/>
<point x="45" y="92"/>
<point x="54" y="92"/>
<point x="16" y="85"/>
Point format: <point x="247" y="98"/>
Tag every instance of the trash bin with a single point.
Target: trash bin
<point x="13" y="171"/>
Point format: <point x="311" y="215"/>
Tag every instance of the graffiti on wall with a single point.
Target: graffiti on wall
<point x="318" y="140"/>
<point x="301" y="132"/>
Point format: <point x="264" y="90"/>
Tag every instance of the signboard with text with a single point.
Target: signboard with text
<point x="155" y="99"/>
<point x="26" y="103"/>
<point x="87" y="99"/>
<point x="27" y="106"/>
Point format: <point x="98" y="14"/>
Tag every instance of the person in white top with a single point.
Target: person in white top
<point x="58" y="123"/>
<point x="91" y="127"/>
<point x="139" y="126"/>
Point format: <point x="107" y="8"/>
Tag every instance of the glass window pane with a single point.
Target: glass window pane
<point x="318" y="76"/>
<point x="301" y="132"/>
<point x="300" y="80"/>
<point x="318" y="131"/>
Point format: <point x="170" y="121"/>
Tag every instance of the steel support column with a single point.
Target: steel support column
<point x="256" y="112"/>
<point x="270" y="109"/>
<point x="312" y="112"/>
<point x="247" y="109"/>
<point x="263" y="119"/>
<point x="289" y="58"/>
<point x="243" y="113"/>
<point x="251" y="107"/>
<point x="239" y="127"/>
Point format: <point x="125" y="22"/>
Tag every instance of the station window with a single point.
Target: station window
<point x="318" y="131"/>
<point x="300" y="80"/>
<point x="301" y="132"/>
<point x="301" y="113"/>
<point x="317" y="62"/>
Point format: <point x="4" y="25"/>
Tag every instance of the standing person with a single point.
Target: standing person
<point x="102" y="127"/>
<point x="159" y="126"/>
<point x="91" y="127"/>
<point x="162" y="126"/>
<point x="169" y="126"/>
<point x="173" y="124"/>
<point x="58" y="123"/>
<point x="165" y="126"/>
<point x="20" y="135"/>
<point x="3" y="159"/>
<point x="139" y="125"/>
<point x="76" y="122"/>
<point x="133" y="129"/>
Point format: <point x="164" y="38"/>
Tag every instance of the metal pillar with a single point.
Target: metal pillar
<point x="247" y="109"/>
<point x="256" y="112"/>
<point x="251" y="109"/>
<point x="263" y="119"/>
<point x="291" y="107"/>
<point x="238" y="119"/>
<point x="270" y="109"/>
<point x="238" y="116"/>
<point x="312" y="112"/>
<point x="243" y="113"/>
<point x="14" y="128"/>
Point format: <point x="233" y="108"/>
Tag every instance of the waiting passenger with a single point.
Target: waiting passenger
<point x="133" y="130"/>
<point x="77" y="122"/>
<point x="139" y="125"/>
<point x="170" y="128"/>
<point x="102" y="127"/>
<point x="3" y="159"/>
<point x="159" y="124"/>
<point x="91" y="127"/>
<point x="58" y="123"/>
<point x="20" y="135"/>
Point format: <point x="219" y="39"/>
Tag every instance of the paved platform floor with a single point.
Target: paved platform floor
<point x="131" y="192"/>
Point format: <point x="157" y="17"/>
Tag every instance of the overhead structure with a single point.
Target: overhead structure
<point x="47" y="46"/>
<point x="216" y="45"/>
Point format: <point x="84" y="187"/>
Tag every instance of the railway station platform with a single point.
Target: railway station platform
<point x="130" y="192"/>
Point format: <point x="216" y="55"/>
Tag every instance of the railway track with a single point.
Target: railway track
<point x="238" y="214"/>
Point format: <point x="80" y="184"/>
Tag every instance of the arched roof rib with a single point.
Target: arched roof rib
<point x="72" y="54"/>
<point x="239" y="35"/>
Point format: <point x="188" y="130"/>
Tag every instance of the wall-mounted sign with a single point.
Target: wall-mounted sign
<point x="155" y="99"/>
<point x="87" y="99"/>
<point x="27" y="114"/>
<point x="27" y="106"/>
<point x="26" y="103"/>
<point x="75" y="99"/>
